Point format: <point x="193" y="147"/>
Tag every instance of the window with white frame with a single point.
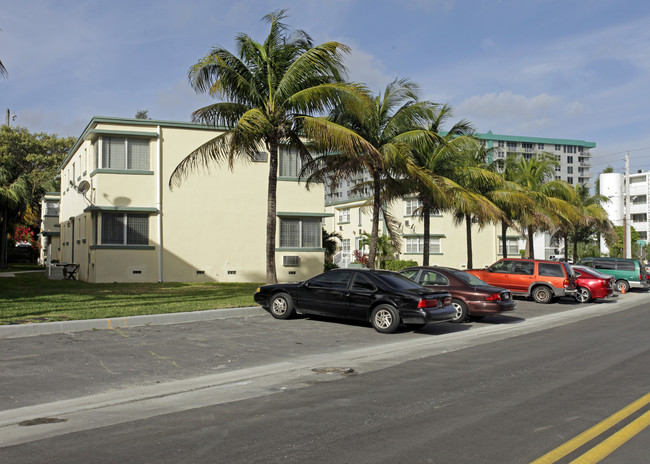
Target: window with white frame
<point x="51" y="208"/>
<point x="289" y="161"/>
<point x="345" y="245"/>
<point x="123" y="153"/>
<point x="125" y="229"/>
<point x="512" y="246"/>
<point x="416" y="245"/>
<point x="300" y="233"/>
<point x="344" y="215"/>
<point x="411" y="206"/>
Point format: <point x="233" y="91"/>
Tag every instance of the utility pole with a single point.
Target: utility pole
<point x="627" y="232"/>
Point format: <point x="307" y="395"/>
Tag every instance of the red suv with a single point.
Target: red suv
<point x="544" y="280"/>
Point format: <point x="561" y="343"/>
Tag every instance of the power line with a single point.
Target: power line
<point x="626" y="151"/>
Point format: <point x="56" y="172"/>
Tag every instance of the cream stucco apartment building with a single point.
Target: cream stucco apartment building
<point x="120" y="221"/>
<point x="351" y="220"/>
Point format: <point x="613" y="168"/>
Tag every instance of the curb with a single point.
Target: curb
<point x="60" y="327"/>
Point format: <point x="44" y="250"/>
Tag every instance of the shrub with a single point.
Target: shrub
<point x="329" y="265"/>
<point x="399" y="264"/>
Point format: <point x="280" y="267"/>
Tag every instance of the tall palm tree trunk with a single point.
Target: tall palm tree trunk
<point x="426" y="218"/>
<point x="531" y="247"/>
<point x="504" y="244"/>
<point x="376" y="207"/>
<point x="468" y="229"/>
<point x="271" y="220"/>
<point x="575" y="250"/>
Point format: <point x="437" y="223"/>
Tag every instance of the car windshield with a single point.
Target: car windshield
<point x="398" y="282"/>
<point x="468" y="278"/>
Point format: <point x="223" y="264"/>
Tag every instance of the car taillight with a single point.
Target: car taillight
<point x="447" y="301"/>
<point x="493" y="297"/>
<point x="428" y="303"/>
<point x="566" y="283"/>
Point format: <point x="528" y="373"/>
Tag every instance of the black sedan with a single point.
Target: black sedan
<point x="470" y="295"/>
<point x="383" y="298"/>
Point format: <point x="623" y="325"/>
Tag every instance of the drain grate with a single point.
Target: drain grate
<point x="41" y="420"/>
<point x="334" y="370"/>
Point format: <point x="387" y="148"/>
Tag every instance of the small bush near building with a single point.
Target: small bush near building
<point x="329" y="265"/>
<point x="399" y="264"/>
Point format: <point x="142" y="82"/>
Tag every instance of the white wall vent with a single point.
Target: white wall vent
<point x="291" y="261"/>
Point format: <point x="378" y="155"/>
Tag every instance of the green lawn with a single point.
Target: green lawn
<point x="32" y="297"/>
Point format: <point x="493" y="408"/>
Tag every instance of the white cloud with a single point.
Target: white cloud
<point x="510" y="112"/>
<point x="365" y="68"/>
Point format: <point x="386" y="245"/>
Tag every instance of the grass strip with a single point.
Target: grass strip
<point x="32" y="297"/>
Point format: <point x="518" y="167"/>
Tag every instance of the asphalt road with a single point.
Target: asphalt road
<point x="243" y="390"/>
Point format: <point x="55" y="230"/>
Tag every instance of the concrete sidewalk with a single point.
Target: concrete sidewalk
<point x="46" y="328"/>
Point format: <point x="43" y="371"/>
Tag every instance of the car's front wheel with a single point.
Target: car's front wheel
<point x="461" y="310"/>
<point x="385" y="319"/>
<point x="583" y="295"/>
<point x="542" y="294"/>
<point x="281" y="306"/>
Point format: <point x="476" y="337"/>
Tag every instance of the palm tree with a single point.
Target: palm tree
<point x="386" y="248"/>
<point x="370" y="134"/>
<point x="478" y="175"/>
<point x="511" y="199"/>
<point x="14" y="196"/>
<point x="552" y="198"/>
<point x="439" y="159"/>
<point x="266" y="90"/>
<point x="594" y="217"/>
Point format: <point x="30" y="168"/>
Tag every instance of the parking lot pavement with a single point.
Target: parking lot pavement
<point x="46" y="368"/>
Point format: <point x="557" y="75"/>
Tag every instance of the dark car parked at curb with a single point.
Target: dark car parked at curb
<point x="470" y="295"/>
<point x="592" y="284"/>
<point x="383" y="298"/>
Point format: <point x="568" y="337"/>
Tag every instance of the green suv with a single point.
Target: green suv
<point x="629" y="273"/>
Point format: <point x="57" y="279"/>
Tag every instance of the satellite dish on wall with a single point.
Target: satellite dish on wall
<point x="83" y="186"/>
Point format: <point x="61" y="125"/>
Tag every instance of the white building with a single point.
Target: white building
<point x="612" y="185"/>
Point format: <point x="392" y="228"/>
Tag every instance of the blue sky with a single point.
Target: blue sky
<point x="540" y="68"/>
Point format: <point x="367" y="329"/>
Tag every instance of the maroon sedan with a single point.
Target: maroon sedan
<point x="470" y="295"/>
<point x="592" y="284"/>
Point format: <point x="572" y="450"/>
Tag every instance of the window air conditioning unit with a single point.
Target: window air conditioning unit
<point x="259" y="157"/>
<point x="291" y="261"/>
